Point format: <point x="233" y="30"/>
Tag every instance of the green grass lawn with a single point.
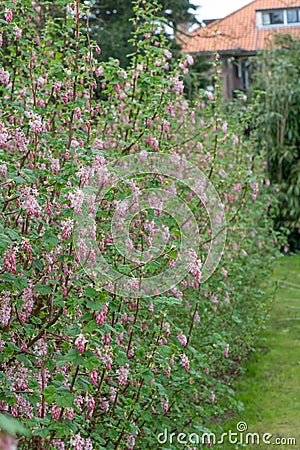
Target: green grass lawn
<point x="270" y="388"/>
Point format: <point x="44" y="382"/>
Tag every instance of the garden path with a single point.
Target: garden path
<point x="270" y="388"/>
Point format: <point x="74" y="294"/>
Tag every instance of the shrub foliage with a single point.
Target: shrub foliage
<point x="83" y="367"/>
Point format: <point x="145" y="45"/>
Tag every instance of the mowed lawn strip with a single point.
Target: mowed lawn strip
<point x="270" y="388"/>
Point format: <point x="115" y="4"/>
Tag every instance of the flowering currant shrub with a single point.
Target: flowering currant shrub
<point x="82" y="365"/>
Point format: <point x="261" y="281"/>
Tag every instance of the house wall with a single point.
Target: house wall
<point x="235" y="75"/>
<point x="232" y="76"/>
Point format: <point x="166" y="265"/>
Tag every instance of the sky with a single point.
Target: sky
<point x="217" y="9"/>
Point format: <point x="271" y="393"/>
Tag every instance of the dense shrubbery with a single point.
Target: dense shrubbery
<point x="83" y="367"/>
<point x="278" y="120"/>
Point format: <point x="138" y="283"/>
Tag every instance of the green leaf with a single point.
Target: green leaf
<point x="4" y="241"/>
<point x="90" y="327"/>
<point x="65" y="398"/>
<point x="13" y="235"/>
<point x="96" y="305"/>
<point x="30" y="175"/>
<point x="168" y="301"/>
<point x="37" y="263"/>
<point x="17" y="179"/>
<point x="7" y="277"/>
<point x="20" y="283"/>
<point x="24" y="359"/>
<point x="50" y="239"/>
<point x="42" y="432"/>
<point x="43" y="289"/>
<point x="90" y="292"/>
<point x="91" y="363"/>
<point x="12" y="426"/>
<point x="49" y="394"/>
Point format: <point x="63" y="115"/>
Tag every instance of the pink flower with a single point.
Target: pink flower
<point x="70" y="414"/>
<point x="78" y="442"/>
<point x="67" y="227"/>
<point x="65" y="98"/>
<point x="130" y="441"/>
<point x="17" y="32"/>
<point x="28" y="302"/>
<point x="88" y="444"/>
<point x="190" y="60"/>
<point x="166" y="125"/>
<point x="184" y="361"/>
<point x="182" y="339"/>
<point x="113" y="394"/>
<point x="91" y="404"/>
<point x="197" y="317"/>
<point x="55" y="413"/>
<point x="209" y="95"/>
<point x="235" y="140"/>
<point x="57" y="86"/>
<point x="106" y="338"/>
<point x="224" y="272"/>
<point x="80" y="343"/>
<point x="166" y="234"/>
<point x="3" y="170"/>
<point x="94" y="376"/>
<point x="4" y="76"/>
<point x="168" y="372"/>
<point x="123" y="375"/>
<point x="36" y="124"/>
<point x="41" y="82"/>
<point x="101" y="316"/>
<point x="30" y="204"/>
<point x="178" y="85"/>
<point x="224" y="127"/>
<point x="8" y="15"/>
<point x="5" y="309"/>
<point x="165" y="405"/>
<point x="168" y="54"/>
<point x="172" y="263"/>
<point x="104" y="404"/>
<point x="76" y="200"/>
<point x="9" y="261"/>
<point x="134" y="284"/>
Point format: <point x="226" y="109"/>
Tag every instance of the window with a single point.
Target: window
<point x="273" y="18"/>
<point x="279" y="17"/>
<point x="293" y="15"/>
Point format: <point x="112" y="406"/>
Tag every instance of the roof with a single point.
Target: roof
<point x="238" y="32"/>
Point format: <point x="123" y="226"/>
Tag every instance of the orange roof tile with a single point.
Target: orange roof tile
<point x="238" y="31"/>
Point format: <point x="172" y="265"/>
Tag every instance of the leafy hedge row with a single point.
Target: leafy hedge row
<point x="83" y="367"/>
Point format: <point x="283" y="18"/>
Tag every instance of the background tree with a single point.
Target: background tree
<point x="279" y="128"/>
<point x="112" y="28"/>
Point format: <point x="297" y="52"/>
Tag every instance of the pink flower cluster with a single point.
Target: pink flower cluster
<point x="4" y="76"/>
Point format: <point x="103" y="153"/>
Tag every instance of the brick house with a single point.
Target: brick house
<point x="241" y="34"/>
